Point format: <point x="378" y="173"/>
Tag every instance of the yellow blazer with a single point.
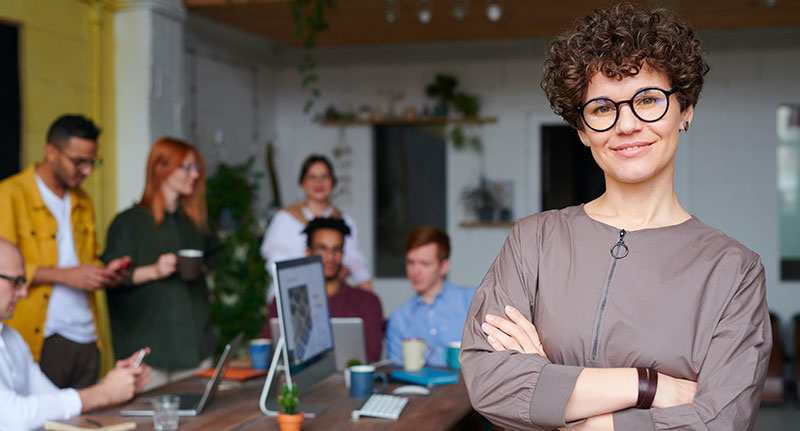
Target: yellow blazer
<point x="26" y="221"/>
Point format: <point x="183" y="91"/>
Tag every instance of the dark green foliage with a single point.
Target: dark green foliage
<point x="238" y="282"/>
<point x="442" y="88"/>
<point x="309" y="22"/>
<point x="288" y="399"/>
<point x="467" y="104"/>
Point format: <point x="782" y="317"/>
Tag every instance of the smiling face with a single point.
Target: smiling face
<point x="634" y="151"/>
<point x="317" y="182"/>
<point x="183" y="179"/>
<point x="329" y="244"/>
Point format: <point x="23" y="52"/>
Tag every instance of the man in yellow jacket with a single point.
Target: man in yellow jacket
<point x="50" y="218"/>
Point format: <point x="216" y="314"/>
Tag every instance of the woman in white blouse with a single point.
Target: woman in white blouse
<point x="285" y="239"/>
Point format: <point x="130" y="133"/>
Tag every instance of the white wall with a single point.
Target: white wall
<point x="230" y="100"/>
<point x="725" y="170"/>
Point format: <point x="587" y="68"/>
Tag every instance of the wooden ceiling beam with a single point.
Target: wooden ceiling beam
<point x="362" y="22"/>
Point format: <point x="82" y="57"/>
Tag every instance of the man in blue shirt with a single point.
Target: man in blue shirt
<point x="438" y="311"/>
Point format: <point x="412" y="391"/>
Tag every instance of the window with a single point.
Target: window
<point x="570" y="176"/>
<point x="410" y="190"/>
<point x="789" y="190"/>
<point x="9" y="100"/>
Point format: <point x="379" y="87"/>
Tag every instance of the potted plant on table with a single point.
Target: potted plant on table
<point x="290" y="419"/>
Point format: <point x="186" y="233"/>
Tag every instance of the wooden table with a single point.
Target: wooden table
<point x="237" y="409"/>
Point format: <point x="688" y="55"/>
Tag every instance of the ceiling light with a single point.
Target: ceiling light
<point x="425" y="13"/>
<point x="391" y="14"/>
<point x="494" y="10"/>
<point x="459" y="10"/>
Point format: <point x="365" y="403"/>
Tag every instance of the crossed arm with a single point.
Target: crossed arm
<point x="598" y="392"/>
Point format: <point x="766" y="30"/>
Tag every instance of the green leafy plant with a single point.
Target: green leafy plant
<point x="238" y="281"/>
<point x="309" y="22"/>
<point x="288" y="399"/>
<point x="442" y="88"/>
<point x="480" y="201"/>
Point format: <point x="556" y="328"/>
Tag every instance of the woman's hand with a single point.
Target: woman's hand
<point x="672" y="391"/>
<point x="166" y="265"/>
<point x="516" y="334"/>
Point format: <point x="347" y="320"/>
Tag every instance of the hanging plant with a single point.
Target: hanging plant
<point x="309" y="22"/>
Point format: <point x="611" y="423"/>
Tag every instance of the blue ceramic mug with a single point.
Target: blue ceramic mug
<point x="452" y="355"/>
<point x="362" y="381"/>
<point x="260" y="349"/>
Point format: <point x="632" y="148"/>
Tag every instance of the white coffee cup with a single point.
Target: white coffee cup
<point x="415" y="353"/>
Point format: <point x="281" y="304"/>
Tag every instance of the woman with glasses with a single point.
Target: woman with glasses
<point x="155" y="306"/>
<point x="284" y="238"/>
<point x="627" y="312"/>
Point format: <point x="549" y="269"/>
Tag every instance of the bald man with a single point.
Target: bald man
<point x="27" y="397"/>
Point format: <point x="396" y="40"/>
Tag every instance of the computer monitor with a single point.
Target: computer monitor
<point x="305" y="326"/>
<point x="303" y="313"/>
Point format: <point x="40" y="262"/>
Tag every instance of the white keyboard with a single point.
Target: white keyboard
<point x="381" y="406"/>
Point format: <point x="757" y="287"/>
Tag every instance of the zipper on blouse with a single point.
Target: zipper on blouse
<point x="618" y="251"/>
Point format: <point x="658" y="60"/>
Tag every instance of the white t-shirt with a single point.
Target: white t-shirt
<point x="68" y="312"/>
<point x="284" y="239"/>
<point x="27" y="397"/>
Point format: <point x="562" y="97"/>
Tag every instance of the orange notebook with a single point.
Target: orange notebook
<point x="240" y="374"/>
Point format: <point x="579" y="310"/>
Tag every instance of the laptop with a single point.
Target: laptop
<point x="348" y="339"/>
<point x="193" y="404"/>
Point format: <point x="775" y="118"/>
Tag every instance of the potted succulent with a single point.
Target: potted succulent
<point x="290" y="419"/>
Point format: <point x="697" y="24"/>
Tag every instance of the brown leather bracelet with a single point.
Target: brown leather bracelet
<point x="642" y="372"/>
<point x="652" y="386"/>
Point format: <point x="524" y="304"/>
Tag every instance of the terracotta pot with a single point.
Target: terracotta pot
<point x="291" y="422"/>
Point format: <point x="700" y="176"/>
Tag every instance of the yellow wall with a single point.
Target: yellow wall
<point x="66" y="66"/>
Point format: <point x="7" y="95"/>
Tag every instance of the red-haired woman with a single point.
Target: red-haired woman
<point x="154" y="306"/>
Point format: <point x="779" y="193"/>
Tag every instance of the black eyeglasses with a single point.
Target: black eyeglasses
<point x="19" y="280"/>
<point x="648" y="105"/>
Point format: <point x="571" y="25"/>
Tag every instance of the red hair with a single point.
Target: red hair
<point x="165" y="157"/>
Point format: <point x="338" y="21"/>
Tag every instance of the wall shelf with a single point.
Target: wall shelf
<point x="419" y="121"/>
<point x="470" y="224"/>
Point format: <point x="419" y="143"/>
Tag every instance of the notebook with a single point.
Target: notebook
<point x="426" y="377"/>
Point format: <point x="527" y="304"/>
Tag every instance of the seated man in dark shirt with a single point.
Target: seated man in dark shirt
<point x="325" y="238"/>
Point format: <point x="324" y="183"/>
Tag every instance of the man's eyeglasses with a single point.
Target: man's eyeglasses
<point x="648" y="105"/>
<point x="19" y="280"/>
<point x="81" y="163"/>
<point x="323" y="250"/>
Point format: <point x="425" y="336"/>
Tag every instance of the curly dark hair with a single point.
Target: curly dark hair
<point x="618" y="42"/>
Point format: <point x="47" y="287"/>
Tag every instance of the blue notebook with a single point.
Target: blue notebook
<point x="426" y="377"/>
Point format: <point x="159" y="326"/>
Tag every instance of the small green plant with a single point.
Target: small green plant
<point x="442" y="88"/>
<point x="353" y="362"/>
<point x="288" y="399"/>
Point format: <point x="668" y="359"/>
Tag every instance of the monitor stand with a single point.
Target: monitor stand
<point x="304" y="379"/>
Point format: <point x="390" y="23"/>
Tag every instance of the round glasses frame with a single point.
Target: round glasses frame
<point x="581" y="108"/>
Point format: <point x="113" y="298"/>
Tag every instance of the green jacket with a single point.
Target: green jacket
<point x="169" y="315"/>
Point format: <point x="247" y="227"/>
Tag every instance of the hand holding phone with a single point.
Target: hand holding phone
<point x="140" y="357"/>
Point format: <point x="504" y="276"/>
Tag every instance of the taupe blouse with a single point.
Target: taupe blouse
<point x="686" y="300"/>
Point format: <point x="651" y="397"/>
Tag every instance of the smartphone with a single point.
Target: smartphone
<point x="140" y="358"/>
<point x="128" y="265"/>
